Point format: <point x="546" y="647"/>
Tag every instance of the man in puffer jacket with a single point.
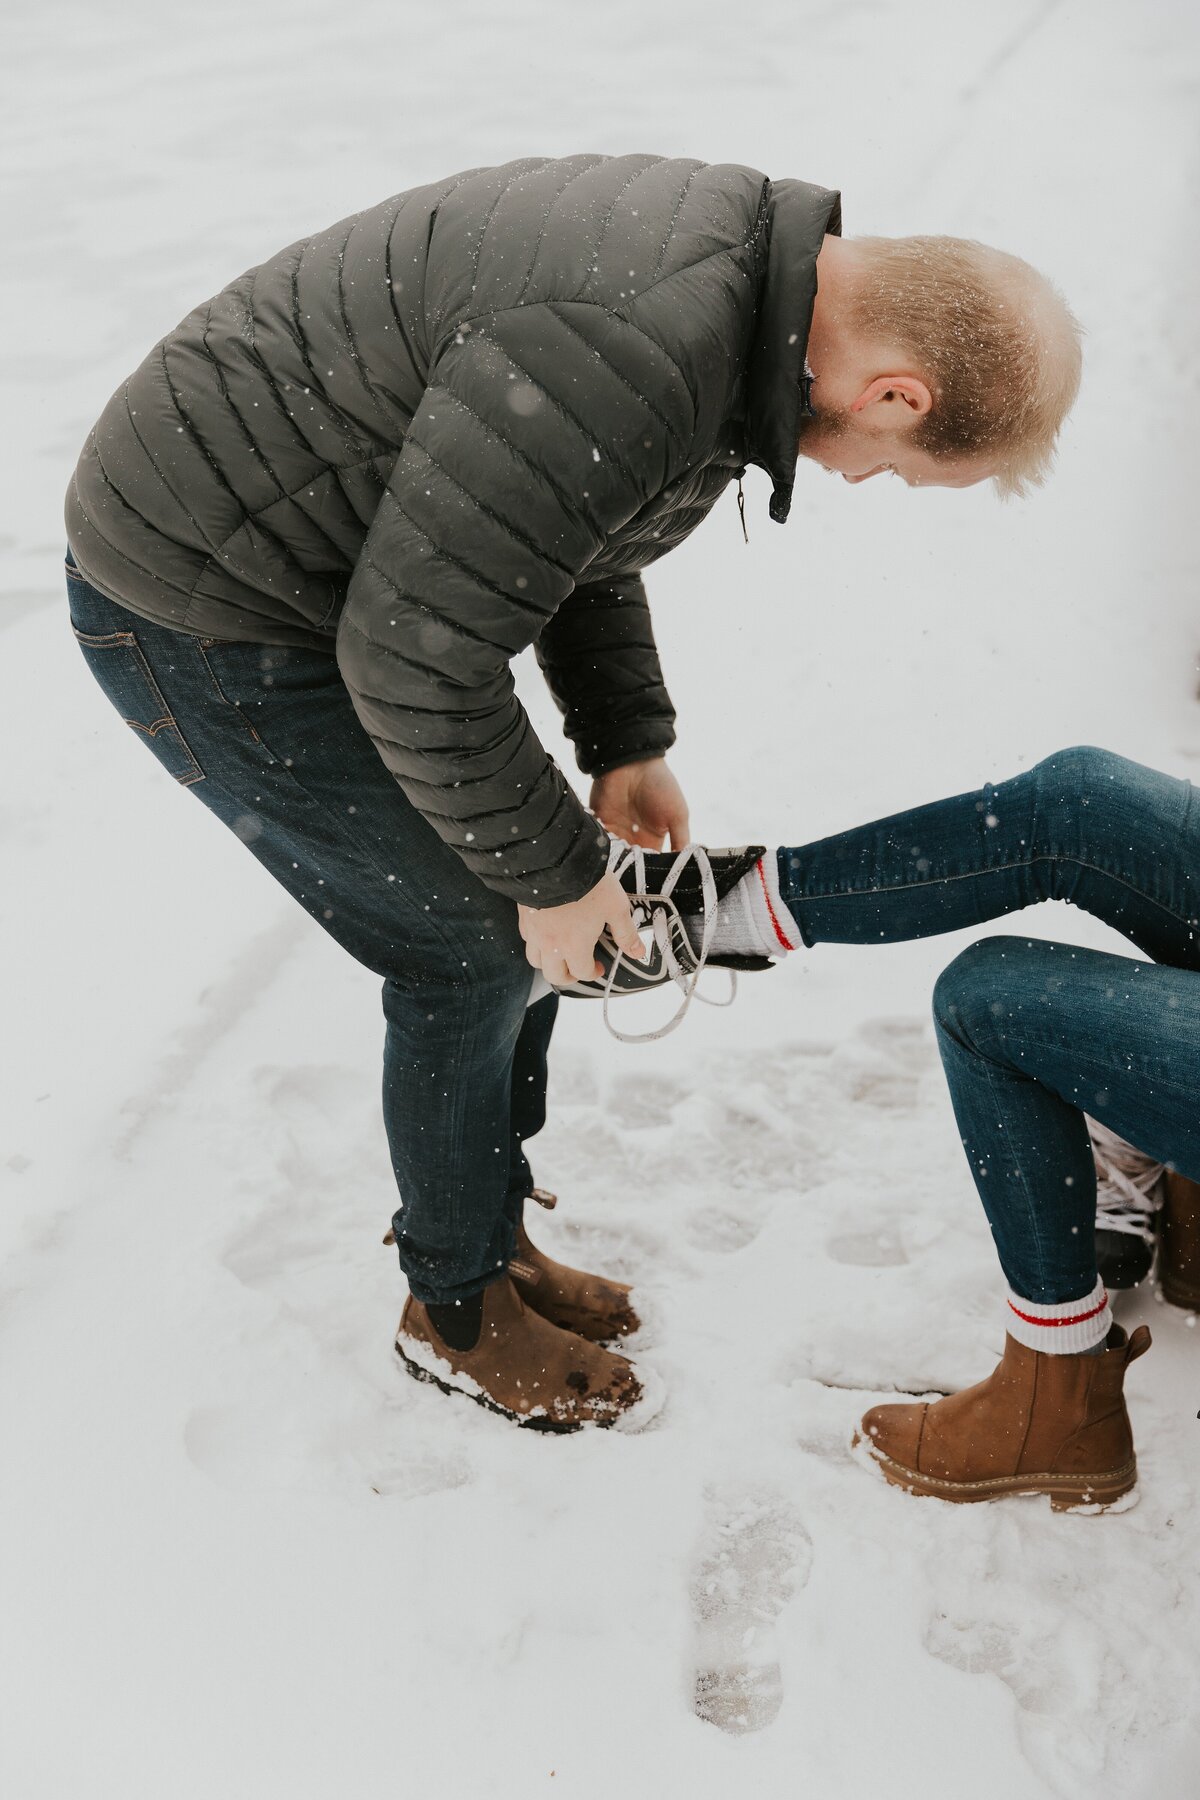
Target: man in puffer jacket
<point x="310" y="532"/>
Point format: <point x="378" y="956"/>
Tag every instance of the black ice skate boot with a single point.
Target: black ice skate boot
<point x="688" y="907"/>
<point x="1129" y="1197"/>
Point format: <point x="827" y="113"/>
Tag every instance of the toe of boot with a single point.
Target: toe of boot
<point x="619" y="1394"/>
<point x="606" y="1312"/>
<point x="894" y="1432"/>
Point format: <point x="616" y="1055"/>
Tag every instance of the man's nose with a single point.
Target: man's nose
<point x="855" y="479"/>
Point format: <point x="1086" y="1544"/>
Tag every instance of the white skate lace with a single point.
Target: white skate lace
<point x="1129" y="1187"/>
<point x="622" y="857"/>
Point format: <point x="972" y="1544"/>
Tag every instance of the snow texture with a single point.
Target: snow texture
<point x="242" y="1555"/>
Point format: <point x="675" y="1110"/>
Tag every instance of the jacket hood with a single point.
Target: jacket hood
<point x="799" y="217"/>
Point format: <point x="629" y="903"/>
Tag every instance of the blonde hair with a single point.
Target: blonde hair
<point x="996" y="342"/>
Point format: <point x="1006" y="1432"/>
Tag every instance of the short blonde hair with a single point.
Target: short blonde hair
<point x="996" y="341"/>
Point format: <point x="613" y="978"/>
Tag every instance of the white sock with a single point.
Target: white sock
<point x="1069" y="1329"/>
<point x="753" y="919"/>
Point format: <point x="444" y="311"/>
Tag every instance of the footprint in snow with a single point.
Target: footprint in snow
<point x="1027" y="1663"/>
<point x="755" y="1555"/>
<point x="271" y="1449"/>
<point x="877" y="1249"/>
<point x="725" y="1227"/>
<point x="645" y="1102"/>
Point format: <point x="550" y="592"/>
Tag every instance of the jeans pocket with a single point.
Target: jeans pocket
<point x="251" y="677"/>
<point x="119" y="666"/>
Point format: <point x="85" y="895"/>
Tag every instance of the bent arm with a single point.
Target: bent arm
<point x="492" y="510"/>
<point x="601" y="664"/>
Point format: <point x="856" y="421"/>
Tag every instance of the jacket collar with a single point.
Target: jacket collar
<point x="798" y="218"/>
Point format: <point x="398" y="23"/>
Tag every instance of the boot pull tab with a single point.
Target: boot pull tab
<point x="1139" y="1342"/>
<point x="544" y="1197"/>
<point x="742" y="505"/>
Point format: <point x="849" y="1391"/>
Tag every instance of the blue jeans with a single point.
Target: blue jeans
<point x="266" y="736"/>
<point x="1033" y="1034"/>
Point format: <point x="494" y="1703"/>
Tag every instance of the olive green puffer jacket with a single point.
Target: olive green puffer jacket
<point x="456" y="424"/>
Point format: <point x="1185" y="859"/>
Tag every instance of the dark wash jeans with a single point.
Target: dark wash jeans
<point x="1033" y="1034"/>
<point x="267" y="738"/>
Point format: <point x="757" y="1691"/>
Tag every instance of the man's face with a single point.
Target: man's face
<point x="844" y="447"/>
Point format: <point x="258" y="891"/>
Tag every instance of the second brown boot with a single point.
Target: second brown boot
<point x="1040" y="1424"/>
<point x="1179" y="1243"/>
<point x="522" y="1366"/>
<point x="592" y="1305"/>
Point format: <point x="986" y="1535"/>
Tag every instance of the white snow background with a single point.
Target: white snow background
<point x="242" y="1555"/>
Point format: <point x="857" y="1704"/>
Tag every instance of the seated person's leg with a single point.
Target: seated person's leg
<point x="1108" y="835"/>
<point x="1033" y="1035"/>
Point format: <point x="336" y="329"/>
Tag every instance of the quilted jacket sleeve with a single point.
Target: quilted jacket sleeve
<point x="525" y="453"/>
<point x="601" y="664"/>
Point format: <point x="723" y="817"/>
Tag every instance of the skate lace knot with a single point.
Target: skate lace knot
<point x="1129" y="1185"/>
<point x="622" y="858"/>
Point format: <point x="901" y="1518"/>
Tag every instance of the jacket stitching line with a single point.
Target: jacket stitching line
<point x="222" y="479"/>
<point x="654" y="163"/>
<point x="683" y="192"/>
<point x="475" y="780"/>
<point x="537" y="248"/>
<point x="137" y="568"/>
<point x="490" y="512"/>
<point x="430" y="227"/>
<point x="152" y="460"/>
<point x="564" y="500"/>
<point x="497" y="312"/>
<point x="111" y="484"/>
<point x="440" y="787"/>
<point x="410" y="662"/>
<point x="456" y="562"/>
<point x="353" y="434"/>
<point x="253" y="512"/>
<point x="552" y="307"/>
<point x="590" y="437"/>
<point x="432" y="712"/>
<point x="403" y="595"/>
<point x="355" y="356"/>
<point x="492" y="210"/>
<point x="353" y="429"/>
<point x="420" y="363"/>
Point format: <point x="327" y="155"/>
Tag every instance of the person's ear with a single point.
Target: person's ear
<point x="900" y="399"/>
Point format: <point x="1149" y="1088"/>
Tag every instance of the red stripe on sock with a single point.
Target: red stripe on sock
<point x="1077" y="1319"/>
<point x="767" y="897"/>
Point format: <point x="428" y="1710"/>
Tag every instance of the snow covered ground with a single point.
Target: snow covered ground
<point x="241" y="1555"/>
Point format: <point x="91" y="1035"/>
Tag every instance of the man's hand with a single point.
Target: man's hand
<point x="643" y="803"/>
<point x="561" y="940"/>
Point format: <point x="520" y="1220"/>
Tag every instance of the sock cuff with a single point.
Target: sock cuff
<point x="1064" y="1329"/>
<point x="784" y="928"/>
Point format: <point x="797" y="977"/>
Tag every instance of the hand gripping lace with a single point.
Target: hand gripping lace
<point x="1128" y="1184"/>
<point x="623" y="856"/>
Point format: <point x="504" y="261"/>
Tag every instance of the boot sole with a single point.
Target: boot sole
<point x="524" y="1421"/>
<point x="1066" y="1492"/>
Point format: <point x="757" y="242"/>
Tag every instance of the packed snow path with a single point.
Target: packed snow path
<point x="241" y="1553"/>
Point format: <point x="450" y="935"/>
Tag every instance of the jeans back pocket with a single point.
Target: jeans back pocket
<point x="116" y="660"/>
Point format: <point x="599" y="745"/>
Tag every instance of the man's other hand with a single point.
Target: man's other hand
<point x="561" y="940"/>
<point x="643" y="803"/>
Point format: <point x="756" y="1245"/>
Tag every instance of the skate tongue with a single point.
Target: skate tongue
<point x="687" y="891"/>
